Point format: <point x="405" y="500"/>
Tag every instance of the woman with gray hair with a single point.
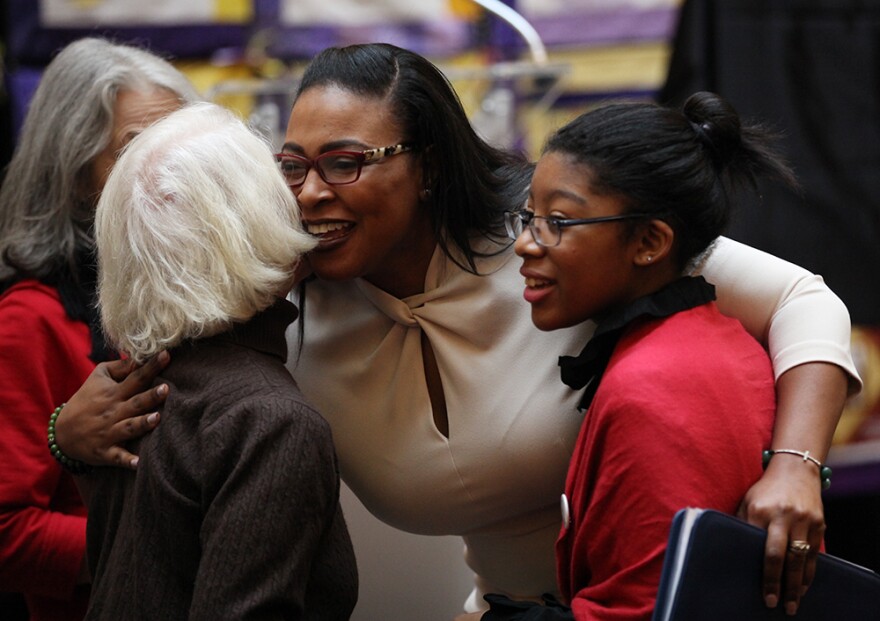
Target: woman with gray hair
<point x="92" y="98"/>
<point x="234" y="510"/>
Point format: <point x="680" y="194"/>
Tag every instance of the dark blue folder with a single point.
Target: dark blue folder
<point x="713" y="570"/>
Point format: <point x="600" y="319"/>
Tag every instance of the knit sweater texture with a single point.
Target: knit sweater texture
<point x="680" y="418"/>
<point x="233" y="512"/>
<point x="44" y="357"/>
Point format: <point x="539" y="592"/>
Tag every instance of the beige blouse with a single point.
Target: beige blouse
<point x="496" y="479"/>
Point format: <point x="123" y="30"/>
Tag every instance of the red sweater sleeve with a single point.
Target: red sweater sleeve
<point x="43" y="360"/>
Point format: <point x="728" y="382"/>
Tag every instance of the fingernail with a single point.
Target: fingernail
<point x="790" y="609"/>
<point x="162" y="390"/>
<point x="134" y="462"/>
<point x="771" y="601"/>
<point x="153" y="418"/>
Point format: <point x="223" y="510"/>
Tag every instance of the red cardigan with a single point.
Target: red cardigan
<point x="683" y="411"/>
<point x="44" y="358"/>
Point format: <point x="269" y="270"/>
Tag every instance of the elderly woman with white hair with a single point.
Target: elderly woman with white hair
<point x="234" y="510"/>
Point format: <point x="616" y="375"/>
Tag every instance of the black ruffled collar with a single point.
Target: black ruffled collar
<point x="585" y="370"/>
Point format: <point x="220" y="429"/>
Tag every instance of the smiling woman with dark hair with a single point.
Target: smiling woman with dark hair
<point x="679" y="400"/>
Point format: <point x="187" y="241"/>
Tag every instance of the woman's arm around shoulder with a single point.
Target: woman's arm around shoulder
<point x="116" y="404"/>
<point x="791" y="311"/>
<point x="806" y="329"/>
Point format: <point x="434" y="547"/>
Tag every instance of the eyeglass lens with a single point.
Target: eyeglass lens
<point x="544" y="230"/>
<point x="513" y="223"/>
<point x="334" y="168"/>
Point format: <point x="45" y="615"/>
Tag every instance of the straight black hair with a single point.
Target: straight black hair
<point x="471" y="182"/>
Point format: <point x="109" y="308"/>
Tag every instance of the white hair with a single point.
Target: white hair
<point x="196" y="229"/>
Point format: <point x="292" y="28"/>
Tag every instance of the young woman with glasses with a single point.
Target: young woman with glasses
<point x="445" y="401"/>
<point x="679" y="400"/>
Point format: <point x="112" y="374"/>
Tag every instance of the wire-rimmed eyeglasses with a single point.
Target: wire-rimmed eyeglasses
<point x="547" y="231"/>
<point x="335" y="167"/>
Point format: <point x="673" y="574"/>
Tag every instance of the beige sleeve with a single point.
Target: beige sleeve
<point x="791" y="311"/>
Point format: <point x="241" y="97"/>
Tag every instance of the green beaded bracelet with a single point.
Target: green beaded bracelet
<point x="70" y="464"/>
<point x="824" y="471"/>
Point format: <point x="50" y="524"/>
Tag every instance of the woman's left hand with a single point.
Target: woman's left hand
<point x="787" y="502"/>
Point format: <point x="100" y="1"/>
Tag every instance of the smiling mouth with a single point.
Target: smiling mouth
<point x="535" y="283"/>
<point x="329" y="231"/>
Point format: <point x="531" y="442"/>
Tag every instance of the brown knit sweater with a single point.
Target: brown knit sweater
<point x="233" y="512"/>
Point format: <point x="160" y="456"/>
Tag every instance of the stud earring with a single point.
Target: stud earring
<point x="650" y="258"/>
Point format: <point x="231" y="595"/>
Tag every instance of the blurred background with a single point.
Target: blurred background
<point x="811" y="68"/>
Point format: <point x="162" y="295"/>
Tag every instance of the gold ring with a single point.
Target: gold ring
<point x="798" y="546"/>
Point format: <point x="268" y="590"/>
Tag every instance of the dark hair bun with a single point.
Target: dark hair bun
<point x="716" y="123"/>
